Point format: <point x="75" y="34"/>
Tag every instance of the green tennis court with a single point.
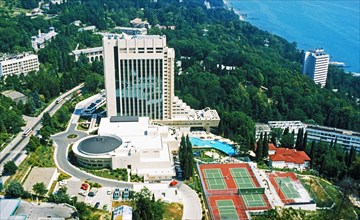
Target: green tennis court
<point x="242" y="178"/>
<point x="227" y="209"/>
<point x="254" y="200"/>
<point x="287" y="187"/>
<point x="214" y="179"/>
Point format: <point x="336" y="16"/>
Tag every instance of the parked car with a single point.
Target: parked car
<point x="116" y="194"/>
<point x="97" y="204"/>
<point x="85" y="186"/>
<point x="93" y="192"/>
<point x="126" y="193"/>
<point x="82" y="192"/>
<point x="109" y="192"/>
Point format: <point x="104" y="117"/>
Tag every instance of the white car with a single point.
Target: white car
<point x="82" y="192"/>
<point x="109" y="192"/>
<point x="63" y="183"/>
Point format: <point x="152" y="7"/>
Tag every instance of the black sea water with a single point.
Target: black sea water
<point x="332" y="24"/>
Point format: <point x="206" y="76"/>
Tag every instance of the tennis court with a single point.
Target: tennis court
<point x="287" y="187"/>
<point x="227" y="209"/>
<point x="254" y="200"/>
<point x="242" y="178"/>
<point x="214" y="179"/>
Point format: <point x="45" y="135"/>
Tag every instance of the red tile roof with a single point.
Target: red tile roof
<point x="289" y="156"/>
<point x="272" y="146"/>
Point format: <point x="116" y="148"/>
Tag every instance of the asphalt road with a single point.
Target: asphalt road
<point x="62" y="143"/>
<point x="16" y="149"/>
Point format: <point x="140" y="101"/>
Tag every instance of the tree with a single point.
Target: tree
<point x="258" y="150"/>
<point x="312" y="154"/>
<point x="93" y="81"/>
<point x="147" y="208"/>
<point x="60" y="197"/>
<point x="304" y="142"/>
<point x="287" y="140"/>
<point x="14" y="190"/>
<point x="265" y="146"/>
<point x="352" y="156"/>
<point x="40" y="189"/>
<point x="10" y="168"/>
<point x="299" y="140"/>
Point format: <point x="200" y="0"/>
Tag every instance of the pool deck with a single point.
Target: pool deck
<point x="210" y="136"/>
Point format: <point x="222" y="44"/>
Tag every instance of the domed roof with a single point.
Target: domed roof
<point x="99" y="144"/>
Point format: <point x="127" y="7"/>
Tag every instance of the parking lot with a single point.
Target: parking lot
<point x="104" y="195"/>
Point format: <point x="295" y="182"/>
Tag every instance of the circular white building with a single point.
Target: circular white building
<point x="131" y="143"/>
<point x="96" y="151"/>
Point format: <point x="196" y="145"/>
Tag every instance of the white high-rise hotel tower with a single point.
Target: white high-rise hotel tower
<point x="139" y="81"/>
<point x="316" y="64"/>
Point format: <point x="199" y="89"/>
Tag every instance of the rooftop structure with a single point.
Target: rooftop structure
<point x="316" y="64"/>
<point x="123" y="212"/>
<point x="19" y="63"/>
<point x="38" y="42"/>
<point x="288" y="158"/>
<point x="139" y="23"/>
<point x="38" y="175"/>
<point x="88" y="28"/>
<point x="292" y="125"/>
<point x="15" y="96"/>
<point x="130" y="30"/>
<point x="144" y="82"/>
<point x="261" y="129"/>
<point x="8" y="208"/>
<point x="129" y="142"/>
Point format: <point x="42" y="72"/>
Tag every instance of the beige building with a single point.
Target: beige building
<point x="132" y="143"/>
<point x="139" y="81"/>
<point x="17" y="64"/>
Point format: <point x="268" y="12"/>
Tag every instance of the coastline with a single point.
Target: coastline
<point x="351" y="65"/>
<point x="228" y="6"/>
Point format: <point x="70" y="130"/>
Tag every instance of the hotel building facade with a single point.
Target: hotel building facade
<point x="139" y="81"/>
<point x="17" y="64"/>
<point x="316" y="64"/>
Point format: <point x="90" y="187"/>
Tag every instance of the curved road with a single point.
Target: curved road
<point x="62" y="143"/>
<point x="191" y="202"/>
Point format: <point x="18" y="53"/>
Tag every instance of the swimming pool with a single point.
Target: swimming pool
<point x="226" y="148"/>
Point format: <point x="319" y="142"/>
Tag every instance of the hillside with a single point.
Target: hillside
<point x="264" y="85"/>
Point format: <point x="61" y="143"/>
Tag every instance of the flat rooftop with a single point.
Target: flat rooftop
<point x="124" y="126"/>
<point x="8" y="207"/>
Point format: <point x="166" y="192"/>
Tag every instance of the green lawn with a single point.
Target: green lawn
<point x="317" y="192"/>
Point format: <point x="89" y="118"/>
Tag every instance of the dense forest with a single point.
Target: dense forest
<point x="265" y="83"/>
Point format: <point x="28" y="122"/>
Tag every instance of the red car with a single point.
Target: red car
<point x="84" y="186"/>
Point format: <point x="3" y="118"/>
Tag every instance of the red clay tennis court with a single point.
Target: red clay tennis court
<point x="285" y="185"/>
<point x="231" y="190"/>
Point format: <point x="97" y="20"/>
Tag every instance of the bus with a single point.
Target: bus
<point x="27" y="132"/>
<point x="58" y="100"/>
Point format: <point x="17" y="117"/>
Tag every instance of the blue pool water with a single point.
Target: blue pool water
<point x="218" y="145"/>
<point x="333" y="25"/>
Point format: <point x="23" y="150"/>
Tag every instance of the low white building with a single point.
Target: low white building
<point x="93" y="54"/>
<point x="130" y="30"/>
<point x="292" y="125"/>
<point x="346" y="138"/>
<point x="288" y="158"/>
<point x="17" y="64"/>
<point x="132" y="143"/>
<point x="38" y="42"/>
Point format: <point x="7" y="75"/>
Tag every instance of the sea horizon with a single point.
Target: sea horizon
<point x="333" y="26"/>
